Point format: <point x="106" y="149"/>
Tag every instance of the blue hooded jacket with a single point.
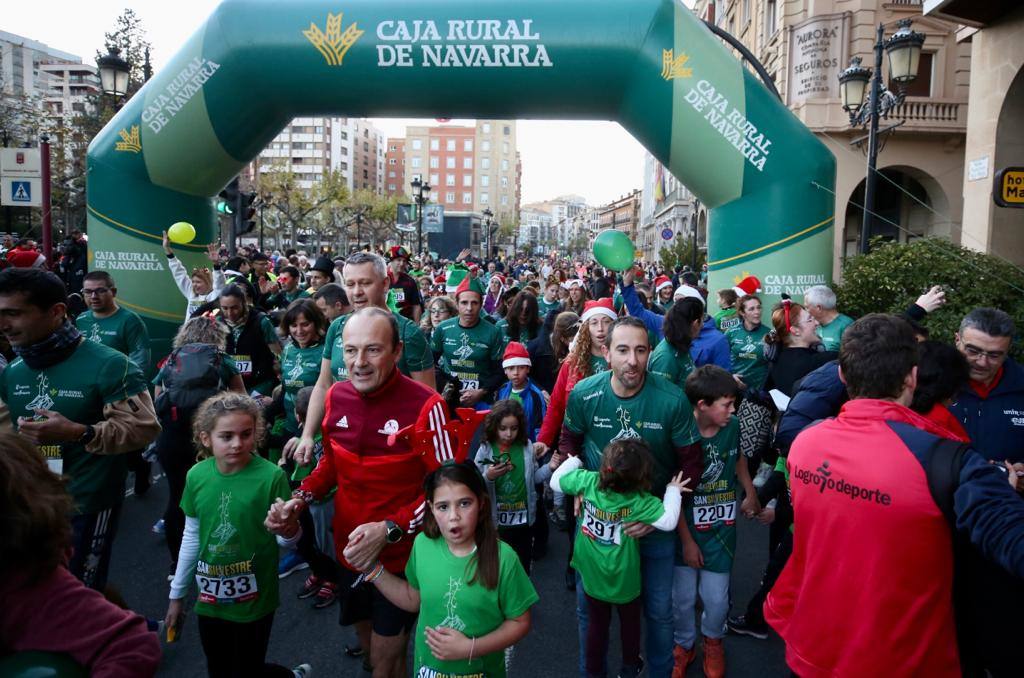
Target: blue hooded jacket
<point x="533" y="405"/>
<point x="995" y="424"/>
<point x="711" y="347"/>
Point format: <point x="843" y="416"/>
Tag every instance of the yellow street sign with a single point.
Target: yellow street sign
<point x="1009" y="187"/>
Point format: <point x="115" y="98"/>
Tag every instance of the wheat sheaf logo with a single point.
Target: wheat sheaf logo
<point x="130" y="141"/>
<point x="673" y="67"/>
<point x="334" y="43"/>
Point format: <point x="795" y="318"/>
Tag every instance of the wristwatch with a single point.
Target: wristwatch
<point x="394" y="532"/>
<point x="89" y="434"/>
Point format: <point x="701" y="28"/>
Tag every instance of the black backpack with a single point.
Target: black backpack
<point x="192" y="374"/>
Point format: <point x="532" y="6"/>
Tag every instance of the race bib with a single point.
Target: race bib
<point x="470" y="384"/>
<point x="243" y="363"/>
<point x="428" y="672"/>
<point x="399" y="294"/>
<point x="54" y="460"/>
<point x="511" y="517"/>
<point x="605" y="532"/>
<point x="719" y="508"/>
<point x="227" y="590"/>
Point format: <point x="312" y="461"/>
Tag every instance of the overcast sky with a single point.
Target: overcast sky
<point x="598" y="160"/>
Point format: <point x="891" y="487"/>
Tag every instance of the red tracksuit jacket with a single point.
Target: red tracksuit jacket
<point x="376" y="481"/>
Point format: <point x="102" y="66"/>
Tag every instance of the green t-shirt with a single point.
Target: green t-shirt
<point x="544" y="307"/>
<point x="748" y="361"/>
<point x="300" y="367"/>
<point x="416" y="355"/>
<point x="448" y="599"/>
<point x="607" y="558"/>
<point x="666" y="361"/>
<point x="726" y="319"/>
<point x="94" y="375"/>
<point x="122" y="331"/>
<point x="711" y="515"/>
<point x="524" y="332"/>
<point x="237" y="569"/>
<point x="597" y="364"/>
<point x="659" y="414"/>
<point x="510" y="490"/>
<point x="472" y="354"/>
<point x="832" y="334"/>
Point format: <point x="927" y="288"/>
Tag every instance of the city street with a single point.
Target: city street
<point x="302" y="634"/>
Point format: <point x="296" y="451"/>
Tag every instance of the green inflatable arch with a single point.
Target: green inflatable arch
<point x="648" y="64"/>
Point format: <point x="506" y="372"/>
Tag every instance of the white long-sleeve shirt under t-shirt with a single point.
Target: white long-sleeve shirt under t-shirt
<point x="184" y="282"/>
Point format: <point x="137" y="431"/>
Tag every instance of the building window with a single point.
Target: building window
<point x="391" y="187"/>
<point x="391" y="174"/>
<point x="485" y="180"/>
<point x="449" y="197"/>
<point x="467" y="180"/>
<point x="921" y="86"/>
<point x="417" y="144"/>
<point x="392" y="161"/>
<point x="433" y="196"/>
<point x="485" y="163"/>
<point x="417" y="161"/>
<point x="467" y="163"/>
<point x="746" y="12"/>
<point x="450" y="145"/>
<point x="504" y="200"/>
<point x="504" y="182"/>
<point x="504" y="165"/>
<point x="434" y="162"/>
<point x="485" y="146"/>
<point x="467" y="145"/>
<point x="467" y="198"/>
<point x="435" y="144"/>
<point x="449" y="162"/>
<point x="485" y="198"/>
<point x="487" y="128"/>
<point x="504" y="147"/>
<point x="434" y="179"/>
<point x="318" y="130"/>
<point x="449" y="180"/>
<point x="393" y="148"/>
<point x="507" y="130"/>
<point x="770" y="18"/>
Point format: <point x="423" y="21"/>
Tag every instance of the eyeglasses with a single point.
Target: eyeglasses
<point x="438" y="311"/>
<point x="95" y="292"/>
<point x="973" y="351"/>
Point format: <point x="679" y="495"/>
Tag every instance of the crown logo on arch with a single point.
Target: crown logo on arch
<point x="130" y="141"/>
<point x="334" y="43"/>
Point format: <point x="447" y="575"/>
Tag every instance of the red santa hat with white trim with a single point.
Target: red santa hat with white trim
<point x="749" y="285"/>
<point x="662" y="281"/>
<point x="599" y="307"/>
<point x="515" y="355"/>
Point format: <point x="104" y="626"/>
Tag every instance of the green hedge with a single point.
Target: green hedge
<point x="894" y="275"/>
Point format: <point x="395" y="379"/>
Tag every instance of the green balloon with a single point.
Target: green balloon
<point x="613" y="250"/>
<point x="40" y="665"/>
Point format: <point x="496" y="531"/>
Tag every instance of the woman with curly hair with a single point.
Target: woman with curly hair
<point x="42" y="599"/>
<point x="438" y="310"/>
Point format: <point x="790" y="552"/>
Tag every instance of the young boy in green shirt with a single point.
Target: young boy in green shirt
<point x="708" y="532"/>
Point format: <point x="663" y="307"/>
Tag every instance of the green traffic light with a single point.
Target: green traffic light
<point x="224" y="208"/>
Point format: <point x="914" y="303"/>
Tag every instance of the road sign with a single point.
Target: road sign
<point x="666" y="233"/>
<point x="20" y="192"/>
<point x="1008" y="190"/>
<point x="433" y="218"/>
<point x="20" y="163"/>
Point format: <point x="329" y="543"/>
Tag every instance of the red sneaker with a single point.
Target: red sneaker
<point x="326" y="596"/>
<point x="311" y="586"/>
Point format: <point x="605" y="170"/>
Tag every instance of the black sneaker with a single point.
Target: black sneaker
<point x="632" y="671"/>
<point x="740" y="626"/>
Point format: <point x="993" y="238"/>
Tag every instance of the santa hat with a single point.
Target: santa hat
<point x="573" y="282"/>
<point x="684" y="291"/>
<point x="598" y="307"/>
<point x="456" y="274"/>
<point x="749" y="285"/>
<point x="469" y="284"/>
<point x="662" y="281"/>
<point x="515" y="355"/>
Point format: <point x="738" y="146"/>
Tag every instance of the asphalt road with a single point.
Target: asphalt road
<point x="302" y="634"/>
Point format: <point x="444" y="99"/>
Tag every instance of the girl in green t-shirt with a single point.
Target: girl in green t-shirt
<point x="607" y="558"/>
<point x="471" y="592"/>
<point x="226" y="546"/>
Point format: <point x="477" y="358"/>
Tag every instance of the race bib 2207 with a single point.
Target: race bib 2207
<point x="719" y="508"/>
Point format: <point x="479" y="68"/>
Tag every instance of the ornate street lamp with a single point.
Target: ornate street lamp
<point x="420" y="188"/>
<point x="856" y="82"/>
<point x="114" y="73"/>
<point x="488" y="222"/>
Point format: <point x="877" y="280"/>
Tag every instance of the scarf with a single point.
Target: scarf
<point x="54" y="349"/>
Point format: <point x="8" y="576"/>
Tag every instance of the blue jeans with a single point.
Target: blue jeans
<point x="713" y="588"/>
<point x="657" y="561"/>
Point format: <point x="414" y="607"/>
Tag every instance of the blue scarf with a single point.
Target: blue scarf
<point x="54" y="349"/>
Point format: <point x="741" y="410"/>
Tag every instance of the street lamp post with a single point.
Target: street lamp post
<point x="487" y="225"/>
<point x="904" y="52"/>
<point x="114" y="73"/>
<point x="420" y="188"/>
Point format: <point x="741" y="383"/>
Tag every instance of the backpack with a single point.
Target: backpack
<point x="191" y="374"/>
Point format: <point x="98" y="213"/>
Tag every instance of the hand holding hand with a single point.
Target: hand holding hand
<point x="471" y="397"/>
<point x="766" y="516"/>
<point x="556" y="460"/>
<point x="750" y="506"/>
<point x="283" y="517"/>
<point x="365" y="544"/>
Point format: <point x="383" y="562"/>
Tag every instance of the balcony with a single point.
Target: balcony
<point x="932" y="115"/>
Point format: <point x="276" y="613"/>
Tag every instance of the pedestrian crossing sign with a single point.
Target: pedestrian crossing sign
<point x="21" y="191"/>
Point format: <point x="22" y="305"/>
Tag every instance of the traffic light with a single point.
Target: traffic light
<point x="246" y="213"/>
<point x="228" y="201"/>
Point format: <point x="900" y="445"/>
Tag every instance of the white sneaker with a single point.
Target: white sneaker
<point x="302" y="671"/>
<point x="764" y="471"/>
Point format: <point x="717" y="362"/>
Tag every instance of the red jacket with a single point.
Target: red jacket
<point x="567" y="378"/>
<point x="376" y="481"/>
<point x="868" y="589"/>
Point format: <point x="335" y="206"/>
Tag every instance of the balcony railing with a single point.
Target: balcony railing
<point x="932" y="113"/>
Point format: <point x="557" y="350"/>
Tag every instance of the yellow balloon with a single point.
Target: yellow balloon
<point x="181" y="233"/>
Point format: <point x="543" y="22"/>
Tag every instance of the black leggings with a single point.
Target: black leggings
<point x="521" y="541"/>
<point x="177" y="456"/>
<point x="323" y="566"/>
<point x="238" y="649"/>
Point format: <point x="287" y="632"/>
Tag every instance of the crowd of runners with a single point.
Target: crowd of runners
<point x="405" y="433"/>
